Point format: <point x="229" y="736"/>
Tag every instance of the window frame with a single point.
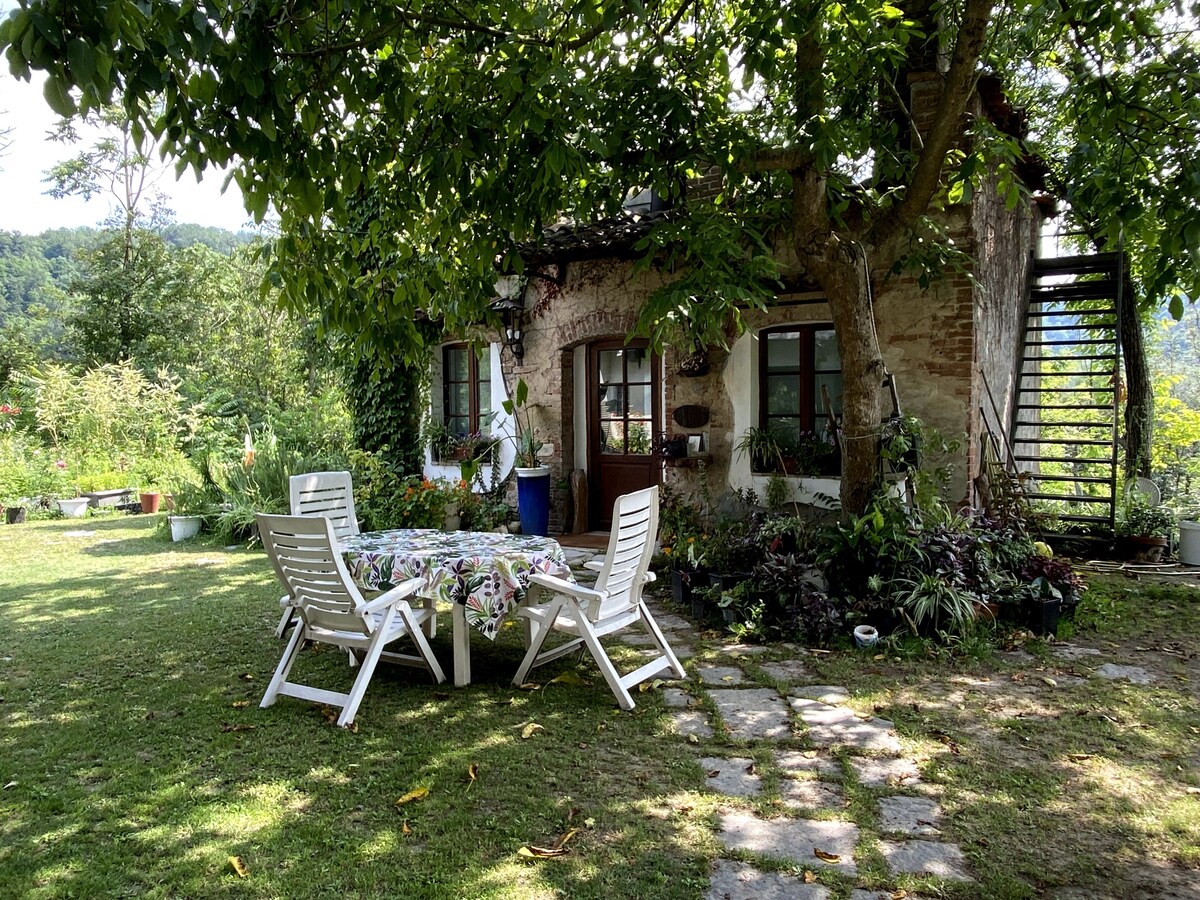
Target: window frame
<point x="474" y="425"/>
<point x="806" y="373"/>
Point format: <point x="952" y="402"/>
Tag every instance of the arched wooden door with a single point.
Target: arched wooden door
<point x="623" y="412"/>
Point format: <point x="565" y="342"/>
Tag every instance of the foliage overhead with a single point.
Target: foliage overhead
<point x="407" y="147"/>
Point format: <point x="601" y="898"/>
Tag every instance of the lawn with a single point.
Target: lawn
<point x="134" y="759"/>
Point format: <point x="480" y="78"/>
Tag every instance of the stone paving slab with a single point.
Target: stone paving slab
<point x="785" y="670"/>
<point x="751" y="713"/>
<point x="691" y="721"/>
<point x="676" y="697"/>
<point x="733" y="775"/>
<point x="926" y="858"/>
<point x="719" y="675"/>
<point x="861" y="894"/>
<point x="873" y="772"/>
<point x="825" y="693"/>
<point x="808" y="794"/>
<point x="637" y="639"/>
<point x="739" y="881"/>
<point x="1136" y="674"/>
<point x="1071" y="653"/>
<point x="792" y="839"/>
<point x="806" y="761"/>
<point x="671" y="622"/>
<point x="735" y="649"/>
<point x="910" y="815"/>
<point x="814" y="712"/>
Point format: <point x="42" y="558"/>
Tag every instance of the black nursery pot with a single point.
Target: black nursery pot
<point x="14" y="515"/>
<point x="727" y="581"/>
<point x="1041" y="616"/>
<point x="681" y="586"/>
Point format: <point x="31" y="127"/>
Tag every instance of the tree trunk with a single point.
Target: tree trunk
<point x="1139" y="395"/>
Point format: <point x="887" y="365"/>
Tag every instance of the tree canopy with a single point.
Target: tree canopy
<point x="407" y="147"/>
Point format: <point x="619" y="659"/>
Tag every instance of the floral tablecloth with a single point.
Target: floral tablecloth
<point x="487" y="573"/>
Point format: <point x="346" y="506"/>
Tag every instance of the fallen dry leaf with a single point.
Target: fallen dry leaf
<point x="1050" y="681"/>
<point x="240" y="704"/>
<point x="568" y="678"/>
<point x="899" y="894"/>
<point x="472" y="772"/>
<point x="589" y="822"/>
<point x="404" y="829"/>
<point x="242" y="726"/>
<point x="530" y="730"/>
<point x="11" y="784"/>
<point x="692" y="739"/>
<point x="412" y="796"/>
<point x="713" y="773"/>
<point x="531" y="852"/>
<point x="530" y="686"/>
<point x="1080" y="757"/>
<point x="562" y="839"/>
<point x="239" y="866"/>
<point x="246" y="676"/>
<point x="810" y="877"/>
<point x="825" y="856"/>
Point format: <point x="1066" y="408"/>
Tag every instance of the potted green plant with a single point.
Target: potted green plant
<point x="1144" y="531"/>
<point x="440" y="440"/>
<point x="763" y="448"/>
<point x="192" y="503"/>
<point x="533" y="478"/>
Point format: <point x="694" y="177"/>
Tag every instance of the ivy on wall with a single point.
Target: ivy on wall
<point x="387" y="400"/>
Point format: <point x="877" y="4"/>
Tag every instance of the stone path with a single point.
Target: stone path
<point x="819" y="746"/>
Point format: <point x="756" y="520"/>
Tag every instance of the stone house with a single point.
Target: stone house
<point x="599" y="399"/>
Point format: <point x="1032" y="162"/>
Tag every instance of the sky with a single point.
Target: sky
<point x="26" y="208"/>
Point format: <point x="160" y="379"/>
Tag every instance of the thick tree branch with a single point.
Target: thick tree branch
<point x="957" y="86"/>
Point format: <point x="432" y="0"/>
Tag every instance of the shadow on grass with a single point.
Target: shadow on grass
<point x="140" y="762"/>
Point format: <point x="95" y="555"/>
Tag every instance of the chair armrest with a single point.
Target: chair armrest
<point x="650" y="576"/>
<point x="402" y="591"/>
<point x="562" y="586"/>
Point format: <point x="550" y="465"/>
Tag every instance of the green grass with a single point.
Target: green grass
<point x="134" y="760"/>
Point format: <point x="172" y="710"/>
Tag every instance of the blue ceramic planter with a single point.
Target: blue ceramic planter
<point x="533" y="500"/>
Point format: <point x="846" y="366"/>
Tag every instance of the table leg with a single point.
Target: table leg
<point x="431" y="622"/>
<point x="462" y="646"/>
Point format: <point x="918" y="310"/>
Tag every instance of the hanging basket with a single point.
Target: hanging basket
<point x="695" y="364"/>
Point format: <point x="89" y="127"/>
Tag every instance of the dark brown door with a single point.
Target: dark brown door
<point x="623" y="409"/>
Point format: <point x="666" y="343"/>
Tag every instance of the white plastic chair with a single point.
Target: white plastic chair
<point x="615" y="603"/>
<point x="328" y="494"/>
<point x="303" y="551"/>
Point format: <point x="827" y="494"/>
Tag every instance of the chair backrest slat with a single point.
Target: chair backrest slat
<point x="630" y="546"/>
<point x="303" y="552"/>
<point x="327" y="494"/>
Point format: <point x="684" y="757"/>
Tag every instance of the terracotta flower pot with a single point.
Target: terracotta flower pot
<point x="150" y="500"/>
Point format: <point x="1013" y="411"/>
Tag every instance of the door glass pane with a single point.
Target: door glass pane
<point x="613" y="402"/>
<point x="612" y="437"/>
<point x="456" y="364"/>
<point x="825" y="352"/>
<point x="639" y="401"/>
<point x="639" y="432"/>
<point x="783" y="395"/>
<point x="611" y="370"/>
<point x="783" y="350"/>
<point x="834" y="383"/>
<point x="637" y="365"/>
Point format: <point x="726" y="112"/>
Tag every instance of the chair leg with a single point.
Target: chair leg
<point x="607" y="669"/>
<point x="285" y="665"/>
<point x="285" y="620"/>
<point x="537" y="639"/>
<point x="661" y="641"/>
<point x="422" y="643"/>
<point x="366" y="670"/>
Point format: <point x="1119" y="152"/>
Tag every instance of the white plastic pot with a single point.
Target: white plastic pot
<point x="1189" y="542"/>
<point x="865" y="636"/>
<point x="184" y="527"/>
<point x="73" y="507"/>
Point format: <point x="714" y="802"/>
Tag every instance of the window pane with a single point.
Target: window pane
<point x="639" y="400"/>
<point x="835" y="392"/>
<point x="783" y="350"/>
<point x="785" y="430"/>
<point x="825" y="352"/>
<point x="783" y="395"/>
<point x="458" y="400"/>
<point x="458" y="425"/>
<point x="637" y="366"/>
<point x="639" y="436"/>
<point x="484" y="364"/>
<point x="456" y="364"/>
<point x="485" y="404"/>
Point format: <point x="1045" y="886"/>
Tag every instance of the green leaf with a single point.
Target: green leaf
<point x="83" y="61"/>
<point x="58" y="96"/>
<point x="1176" y="307"/>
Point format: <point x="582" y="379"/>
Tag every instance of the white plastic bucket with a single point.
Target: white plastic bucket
<point x="865" y="636"/>
<point x="1189" y="542"/>
<point x="184" y="527"/>
<point x="73" y="507"/>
